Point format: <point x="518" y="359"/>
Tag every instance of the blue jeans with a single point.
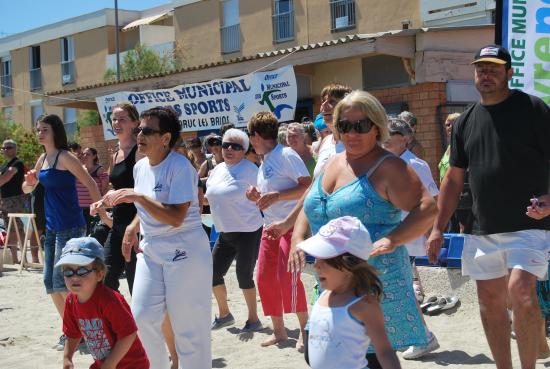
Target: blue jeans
<point x="53" y="245"/>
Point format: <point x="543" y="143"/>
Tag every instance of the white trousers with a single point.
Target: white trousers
<point x="174" y="273"/>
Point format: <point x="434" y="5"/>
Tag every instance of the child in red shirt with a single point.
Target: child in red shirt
<point x="96" y="313"/>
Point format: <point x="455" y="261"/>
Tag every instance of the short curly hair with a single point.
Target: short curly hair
<point x="168" y="122"/>
<point x="265" y="124"/>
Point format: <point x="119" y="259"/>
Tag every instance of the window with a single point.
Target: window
<point x="34" y="68"/>
<point x="342" y="14"/>
<point x="283" y="20"/>
<point x="67" y="60"/>
<point x="37" y="109"/>
<point x="5" y="80"/>
<point x="7" y="114"/>
<point x="384" y="71"/>
<point x="69" y="118"/>
<point x="230" y="30"/>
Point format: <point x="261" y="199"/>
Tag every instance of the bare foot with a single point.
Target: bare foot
<point x="274" y="339"/>
<point x="300" y="344"/>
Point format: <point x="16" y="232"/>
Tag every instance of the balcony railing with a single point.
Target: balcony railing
<point x="283" y="26"/>
<point x="231" y="38"/>
<point x="5" y="89"/>
<point x="342" y="14"/>
<point x="36" y="79"/>
<point x="67" y="72"/>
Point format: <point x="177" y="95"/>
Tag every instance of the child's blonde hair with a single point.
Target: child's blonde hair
<point x="365" y="277"/>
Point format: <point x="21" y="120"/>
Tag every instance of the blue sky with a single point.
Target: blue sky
<point x="22" y="15"/>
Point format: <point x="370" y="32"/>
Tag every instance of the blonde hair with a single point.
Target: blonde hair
<point x="369" y="106"/>
<point x="296" y="128"/>
<point x="452" y="117"/>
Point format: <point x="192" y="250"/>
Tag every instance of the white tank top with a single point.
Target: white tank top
<point x="336" y="339"/>
<point x="326" y="151"/>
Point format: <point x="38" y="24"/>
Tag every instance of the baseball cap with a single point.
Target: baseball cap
<point x="319" y="123"/>
<point x="80" y="251"/>
<point x="493" y="54"/>
<point x="339" y="236"/>
<point x="397" y="125"/>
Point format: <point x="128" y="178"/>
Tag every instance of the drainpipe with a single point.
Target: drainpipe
<point x="117" y="50"/>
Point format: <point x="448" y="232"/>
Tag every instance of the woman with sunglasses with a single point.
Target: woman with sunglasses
<point x="239" y="223"/>
<point x="174" y="269"/>
<point x="57" y="170"/>
<point x="374" y="185"/>
<point x="282" y="179"/>
<point x="125" y="118"/>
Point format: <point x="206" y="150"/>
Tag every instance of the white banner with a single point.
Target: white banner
<point x="526" y="35"/>
<point x="208" y="105"/>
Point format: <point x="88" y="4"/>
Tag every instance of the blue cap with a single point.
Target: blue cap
<point x="80" y="251"/>
<point x="319" y="123"/>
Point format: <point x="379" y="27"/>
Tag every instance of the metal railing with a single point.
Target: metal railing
<point x="5" y="89"/>
<point x="231" y="38"/>
<point x="283" y="26"/>
<point x="67" y="72"/>
<point x="342" y="14"/>
<point x="36" y="79"/>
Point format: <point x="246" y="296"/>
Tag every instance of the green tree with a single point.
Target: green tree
<point x="28" y="148"/>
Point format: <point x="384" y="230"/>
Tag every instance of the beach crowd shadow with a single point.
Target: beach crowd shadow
<point x="455" y="357"/>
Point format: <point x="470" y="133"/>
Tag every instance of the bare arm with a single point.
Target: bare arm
<point x="73" y="165"/>
<point x="119" y="350"/>
<point x="297" y="258"/>
<point x="294" y="193"/>
<point x="8" y="175"/>
<point x="71" y="344"/>
<point x="31" y="177"/>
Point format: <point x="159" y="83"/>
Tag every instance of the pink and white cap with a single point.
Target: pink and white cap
<point x="340" y="235"/>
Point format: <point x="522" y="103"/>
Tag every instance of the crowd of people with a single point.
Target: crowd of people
<point x="350" y="189"/>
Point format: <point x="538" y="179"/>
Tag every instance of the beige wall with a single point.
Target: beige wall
<point x="198" y="25"/>
<point x="348" y="72"/>
<point x="90" y="54"/>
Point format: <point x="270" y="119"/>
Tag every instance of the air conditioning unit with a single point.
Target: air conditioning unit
<point x="457" y="12"/>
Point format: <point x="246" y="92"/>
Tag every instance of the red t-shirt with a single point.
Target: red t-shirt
<point x="101" y="320"/>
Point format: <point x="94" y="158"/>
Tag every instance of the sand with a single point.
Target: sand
<point x="29" y="326"/>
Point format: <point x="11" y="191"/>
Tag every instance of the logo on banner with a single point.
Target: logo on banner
<point x="238" y="110"/>
<point x="268" y="94"/>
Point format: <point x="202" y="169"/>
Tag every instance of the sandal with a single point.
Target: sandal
<point x="429" y="302"/>
<point x="444" y="303"/>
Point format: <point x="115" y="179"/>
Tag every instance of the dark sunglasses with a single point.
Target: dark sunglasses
<point x="360" y="126"/>
<point x="214" y="142"/>
<point x="7" y="147"/>
<point x="394" y="133"/>
<point x="146" y="131"/>
<point x="233" y="146"/>
<point x="81" y="272"/>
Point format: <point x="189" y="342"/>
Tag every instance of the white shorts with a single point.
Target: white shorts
<point x="491" y="256"/>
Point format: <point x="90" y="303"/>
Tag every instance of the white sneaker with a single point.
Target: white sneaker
<point x="415" y="352"/>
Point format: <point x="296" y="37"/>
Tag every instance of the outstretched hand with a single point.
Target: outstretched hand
<point x="539" y="208"/>
<point x="433" y="245"/>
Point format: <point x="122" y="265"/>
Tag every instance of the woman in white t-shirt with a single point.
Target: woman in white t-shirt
<point x="282" y="179"/>
<point x="239" y="223"/>
<point x="174" y="270"/>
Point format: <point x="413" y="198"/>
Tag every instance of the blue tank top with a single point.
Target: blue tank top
<point x="60" y="200"/>
<point x="358" y="198"/>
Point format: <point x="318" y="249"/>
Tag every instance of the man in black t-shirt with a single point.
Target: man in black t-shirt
<point x="503" y="143"/>
<point x="13" y="200"/>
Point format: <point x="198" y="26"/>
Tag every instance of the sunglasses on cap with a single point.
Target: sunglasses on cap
<point x="233" y="146"/>
<point x="146" y="131"/>
<point x="81" y="272"/>
<point x="359" y="126"/>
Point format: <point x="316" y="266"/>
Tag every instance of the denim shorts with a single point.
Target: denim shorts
<point x="53" y="245"/>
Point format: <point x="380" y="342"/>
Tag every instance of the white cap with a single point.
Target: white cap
<point x="339" y="236"/>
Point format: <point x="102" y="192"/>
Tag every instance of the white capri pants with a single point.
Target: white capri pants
<point x="174" y="272"/>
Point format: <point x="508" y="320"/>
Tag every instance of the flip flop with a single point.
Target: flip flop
<point x="429" y="302"/>
<point x="444" y="303"/>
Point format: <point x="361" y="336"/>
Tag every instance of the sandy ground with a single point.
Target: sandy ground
<point x="29" y="326"/>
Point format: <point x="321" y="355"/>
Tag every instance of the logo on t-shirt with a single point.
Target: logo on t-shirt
<point x="180" y="255"/>
<point x="268" y="172"/>
<point x="95" y="337"/>
<point x="158" y="187"/>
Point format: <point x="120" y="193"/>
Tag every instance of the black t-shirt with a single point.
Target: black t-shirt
<point x="13" y="186"/>
<point x="506" y="148"/>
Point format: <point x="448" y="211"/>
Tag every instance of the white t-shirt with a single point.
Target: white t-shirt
<point x="422" y="170"/>
<point x="280" y="171"/>
<point x="326" y="151"/>
<point x="226" y="192"/>
<point x="173" y="181"/>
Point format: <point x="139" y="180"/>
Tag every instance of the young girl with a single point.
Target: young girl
<point x="347" y="317"/>
<point x="95" y="312"/>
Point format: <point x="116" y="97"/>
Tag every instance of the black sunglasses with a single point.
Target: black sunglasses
<point x="233" y="146"/>
<point x="395" y="133"/>
<point x="360" y="126"/>
<point x="214" y="142"/>
<point x="81" y="272"/>
<point x="146" y="131"/>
